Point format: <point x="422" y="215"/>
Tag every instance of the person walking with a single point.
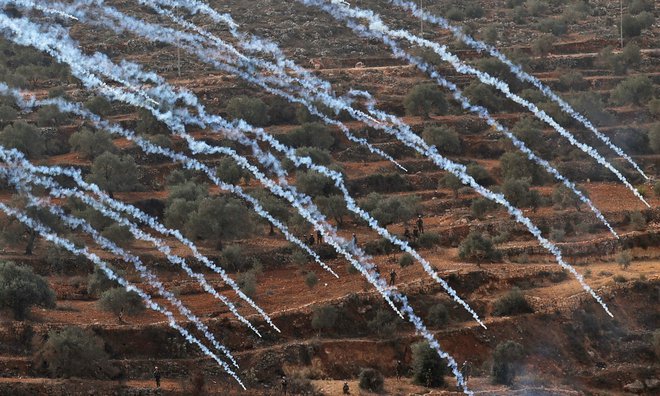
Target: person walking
<point x="420" y="224"/>
<point x="392" y="277"/>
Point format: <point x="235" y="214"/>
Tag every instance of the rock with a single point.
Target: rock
<point x="634" y="387"/>
<point x="652" y="383"/>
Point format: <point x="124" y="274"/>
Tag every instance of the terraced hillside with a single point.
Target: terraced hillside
<point x="332" y="329"/>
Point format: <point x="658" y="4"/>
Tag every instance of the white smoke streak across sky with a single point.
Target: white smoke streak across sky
<point x="518" y="71"/>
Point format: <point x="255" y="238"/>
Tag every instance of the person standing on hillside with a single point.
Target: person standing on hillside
<point x="420" y="224"/>
<point x="157" y="376"/>
<point x="466" y="371"/>
<point x="285" y="384"/>
<point x="392" y="277"/>
<point x="319" y="237"/>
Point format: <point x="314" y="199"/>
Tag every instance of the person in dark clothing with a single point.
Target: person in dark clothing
<point x="157" y="376"/>
<point x="346" y="389"/>
<point x="415" y="233"/>
<point x="420" y="224"/>
<point x="319" y="237"/>
<point x="285" y="384"/>
<point x="466" y="371"/>
<point x="399" y="369"/>
<point x="311" y="240"/>
<point x="392" y="277"/>
<point x="355" y="241"/>
<point x="406" y="233"/>
<point x="428" y="377"/>
<point x="377" y="269"/>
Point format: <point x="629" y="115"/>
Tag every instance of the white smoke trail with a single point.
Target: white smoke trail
<point x="336" y="242"/>
<point x="27" y="33"/>
<point x="458" y="170"/>
<point x="19" y="179"/>
<point x="335" y="176"/>
<point x="59" y="192"/>
<point x="148" y="147"/>
<point x="152" y="32"/>
<point x="518" y="71"/>
<point x="48" y="235"/>
<point x="377" y="26"/>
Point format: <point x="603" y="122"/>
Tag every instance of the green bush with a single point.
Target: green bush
<point x="50" y="116"/>
<point x="98" y="282"/>
<point x="634" y="25"/>
<point x="7" y="114"/>
<point x="311" y="280"/>
<point x="334" y="207"/>
<point x="637" y="90"/>
<point x="428" y="368"/>
<point x="384" y="323"/>
<point x="478" y="248"/>
<point x="90" y="143"/>
<point x="230" y="172"/>
<point x="483" y="95"/>
<point x="20" y="289"/>
<point x="74" y="352"/>
<point x="371" y="380"/>
<point x="517" y="192"/>
<point x="424" y="99"/>
<point x="506" y="362"/>
<point x="406" y="260"/>
<point x="444" y="138"/>
<point x="573" y="81"/>
<point x="99" y="105"/>
<point x="543" y="45"/>
<point x="654" y="139"/>
<point x="119" y="234"/>
<point x="481" y="206"/>
<point x="324" y="317"/>
<point x="147" y="124"/>
<point x="513" y="303"/>
<point x="428" y="240"/>
<point x="252" y="110"/>
<point x="310" y="135"/>
<point x="391" y="209"/>
<point x="438" y="315"/>
<point x="120" y="301"/>
<point x="114" y="173"/>
<point x="23" y="137"/>
<point x="638" y="221"/>
<point x="247" y="281"/>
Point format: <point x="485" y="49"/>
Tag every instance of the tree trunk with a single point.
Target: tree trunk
<point x="30" y="245"/>
<point x="272" y="229"/>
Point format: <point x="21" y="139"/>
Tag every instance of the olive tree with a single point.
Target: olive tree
<point x="74" y="352"/>
<point x="23" y="137"/>
<point x="424" y="99"/>
<point x="444" y="138"/>
<point x="120" y="301"/>
<point x="20" y="289"/>
<point x="252" y="110"/>
<point x="90" y="143"/>
<point x="428" y="368"/>
<point x="114" y="173"/>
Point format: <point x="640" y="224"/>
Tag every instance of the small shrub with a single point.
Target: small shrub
<point x="619" y="279"/>
<point x="424" y="99"/>
<point x="636" y="90"/>
<point x="384" y="323"/>
<point x="324" y="317"/>
<point x="444" y="138"/>
<point x="406" y="260"/>
<point x="543" y="45"/>
<point x="311" y="280"/>
<point x="310" y="135"/>
<point x="513" y="303"/>
<point x="371" y="380"/>
<point x="438" y="315"/>
<point x="478" y="248"/>
<point x="74" y="352"/>
<point x="428" y="239"/>
<point x="252" y="110"/>
<point x="624" y="259"/>
<point x="20" y="289"/>
<point x="98" y="282"/>
<point x="247" y="281"/>
<point x="637" y="221"/>
<point x="120" y="301"/>
<point x="23" y="137"/>
<point x="90" y="143"/>
<point x="427" y="367"/>
<point x="506" y="362"/>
